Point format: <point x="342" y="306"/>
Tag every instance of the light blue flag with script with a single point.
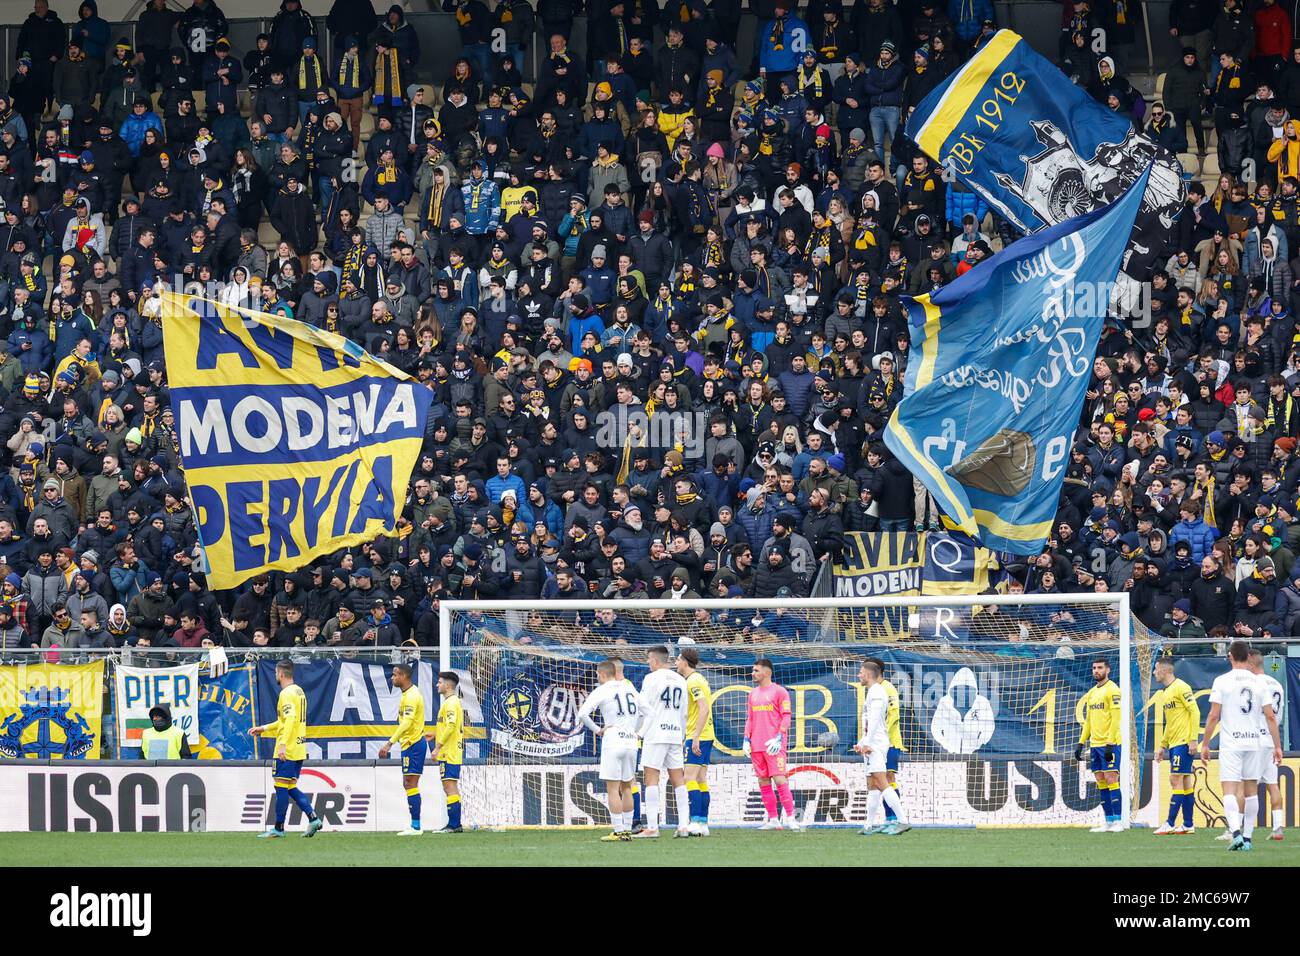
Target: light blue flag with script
<point x="1001" y="361"/>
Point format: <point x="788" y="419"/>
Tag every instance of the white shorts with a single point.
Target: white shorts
<point x="1267" y="768"/>
<point x="1238" y="765"/>
<point x="877" y="760"/>
<point x="662" y="756"/>
<point x="618" y="760"/>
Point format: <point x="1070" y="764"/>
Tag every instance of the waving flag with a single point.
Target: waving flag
<point x="1013" y="128"/>
<point x="295" y="442"/>
<point x="1003" y="357"/>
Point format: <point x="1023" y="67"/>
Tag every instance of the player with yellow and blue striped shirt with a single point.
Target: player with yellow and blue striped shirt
<point x="449" y="746"/>
<point x="699" y="739"/>
<point x="1101" y="733"/>
<point x="1178" y="737"/>
<point x="290" y="730"/>
<point x="410" y="735"/>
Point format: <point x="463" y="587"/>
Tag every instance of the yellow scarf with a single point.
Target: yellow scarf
<point x="814" y="81"/>
<point x="349" y="71"/>
<point x="302" y="72"/>
<point x="433" y="213"/>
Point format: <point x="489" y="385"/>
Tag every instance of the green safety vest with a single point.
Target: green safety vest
<point x="162" y="744"/>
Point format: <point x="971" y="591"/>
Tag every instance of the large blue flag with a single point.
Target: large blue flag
<point x="1011" y="126"/>
<point x="1001" y="361"/>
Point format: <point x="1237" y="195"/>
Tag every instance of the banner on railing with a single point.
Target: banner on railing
<point x="137" y="690"/>
<point x="955" y="704"/>
<point x="352" y="705"/>
<point x="51" y="711"/>
<point x="226" y="715"/>
<point x="874" y="563"/>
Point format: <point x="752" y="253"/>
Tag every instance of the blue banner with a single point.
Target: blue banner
<point x="1013" y="128"/>
<point x="226" y="714"/>
<point x="1002" y="359"/>
<point x="351" y="705"/>
<point x="956" y="704"/>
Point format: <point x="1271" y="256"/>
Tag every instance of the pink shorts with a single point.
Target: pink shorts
<point x="766" y="765"/>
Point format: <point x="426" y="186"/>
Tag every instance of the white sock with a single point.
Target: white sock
<point x="683" y="805"/>
<point x="616" y="821"/>
<point x="1252" y="812"/>
<point x="651" y="801"/>
<point x="1279" y="819"/>
<point x="1232" y="811"/>
<point x="895" y="803"/>
<point x="874" y="799"/>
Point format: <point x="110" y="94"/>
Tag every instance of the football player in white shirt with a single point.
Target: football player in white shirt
<point x="1237" y="710"/>
<point x="1268" y="773"/>
<point x="619" y="706"/>
<point x="663" y="732"/>
<point x="874" y="747"/>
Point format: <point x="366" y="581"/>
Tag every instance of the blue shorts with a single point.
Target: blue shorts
<point x="413" y="758"/>
<point x="450" y="771"/>
<point x="1099" y="761"/>
<point x="891" y="759"/>
<point x="706" y="752"/>
<point x="1180" y="759"/>
<point x="287" y="769"/>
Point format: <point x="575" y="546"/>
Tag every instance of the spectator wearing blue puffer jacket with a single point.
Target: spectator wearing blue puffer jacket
<point x="756" y="517"/>
<point x="968" y="16"/>
<point x="781" y="41"/>
<point x="960" y="202"/>
<point x="1193" y="529"/>
<point x="141" y="120"/>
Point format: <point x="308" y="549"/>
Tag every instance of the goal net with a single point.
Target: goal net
<point x="990" y="693"/>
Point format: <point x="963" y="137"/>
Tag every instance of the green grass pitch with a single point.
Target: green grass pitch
<point x="818" y="847"/>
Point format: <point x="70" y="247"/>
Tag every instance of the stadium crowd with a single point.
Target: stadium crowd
<point x="654" y="289"/>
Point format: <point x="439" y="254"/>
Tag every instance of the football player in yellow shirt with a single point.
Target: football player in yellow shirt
<point x="410" y="735"/>
<point x="1101" y="733"/>
<point x="448" y="739"/>
<point x="290" y="730"/>
<point x="892" y="719"/>
<point x="1178" y="736"/>
<point x="699" y="739"/>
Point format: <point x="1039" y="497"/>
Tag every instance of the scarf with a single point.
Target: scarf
<point x="29" y="494"/>
<point x="776" y="36"/>
<point x="386" y="174"/>
<point x="475" y="194"/>
<point x="433" y="208"/>
<point x="388" y="77"/>
<point x="350" y="71"/>
<point x="712" y="254"/>
<point x="814" y="82"/>
<point x="317" y="81"/>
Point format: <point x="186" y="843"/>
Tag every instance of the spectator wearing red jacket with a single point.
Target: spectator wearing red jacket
<point x="1272" y="39"/>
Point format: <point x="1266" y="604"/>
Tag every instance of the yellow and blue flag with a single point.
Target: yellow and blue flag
<point x="295" y="442"/>
<point x="1012" y="127"/>
<point x="1001" y="360"/>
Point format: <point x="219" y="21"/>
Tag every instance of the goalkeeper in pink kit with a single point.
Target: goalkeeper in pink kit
<point x="767" y="727"/>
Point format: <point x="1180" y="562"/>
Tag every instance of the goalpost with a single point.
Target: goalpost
<point x="990" y="692"/>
